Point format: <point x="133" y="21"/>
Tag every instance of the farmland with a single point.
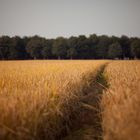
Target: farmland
<point x="39" y="98"/>
<point x="67" y="99"/>
<point x="121" y="102"/>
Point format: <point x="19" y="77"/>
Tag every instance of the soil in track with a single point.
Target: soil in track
<point x="88" y="126"/>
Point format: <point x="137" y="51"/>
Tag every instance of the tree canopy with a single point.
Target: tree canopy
<point x="81" y="47"/>
<point x="135" y="48"/>
<point x="115" y="50"/>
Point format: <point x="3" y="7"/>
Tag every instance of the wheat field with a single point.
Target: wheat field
<point x="43" y="100"/>
<point x="121" y="101"/>
<point x="39" y="98"/>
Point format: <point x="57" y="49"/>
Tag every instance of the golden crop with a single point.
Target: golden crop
<point x="37" y="98"/>
<point x="41" y="99"/>
<point x="121" y="102"/>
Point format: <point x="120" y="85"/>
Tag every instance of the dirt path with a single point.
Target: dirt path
<point x="89" y="123"/>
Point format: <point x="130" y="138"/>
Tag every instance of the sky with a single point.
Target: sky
<point x="53" y="18"/>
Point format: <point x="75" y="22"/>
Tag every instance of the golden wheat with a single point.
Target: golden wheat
<point x="37" y="98"/>
<point x="121" y="102"/>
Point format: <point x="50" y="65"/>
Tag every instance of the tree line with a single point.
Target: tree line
<point x="81" y="47"/>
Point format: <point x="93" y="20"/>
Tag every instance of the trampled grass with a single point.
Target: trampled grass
<point x="121" y="102"/>
<point x="40" y="99"/>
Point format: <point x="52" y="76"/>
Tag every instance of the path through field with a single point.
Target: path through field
<point x="89" y="123"/>
<point x="69" y="100"/>
<point x="51" y="100"/>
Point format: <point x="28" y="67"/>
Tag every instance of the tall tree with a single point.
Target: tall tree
<point x="92" y="43"/>
<point x="114" y="39"/>
<point x="115" y="51"/>
<point x="47" y="49"/>
<point x="72" y="41"/>
<point x="17" y="48"/>
<point x="60" y="47"/>
<point x="34" y="47"/>
<point x="82" y="47"/>
<point x="102" y="47"/>
<point x="5" y="44"/>
<point x="72" y="47"/>
<point x="71" y="53"/>
<point x="125" y="44"/>
<point x="25" y="41"/>
<point x="135" y="48"/>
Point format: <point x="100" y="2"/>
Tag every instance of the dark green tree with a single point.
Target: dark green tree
<point x="17" y="49"/>
<point x="125" y="44"/>
<point x="72" y="41"/>
<point x="92" y="43"/>
<point x="25" y="41"/>
<point x="115" y="51"/>
<point x="135" y="48"/>
<point x="85" y="52"/>
<point x="72" y="47"/>
<point x="82" y="47"/>
<point x="60" y="48"/>
<point x="102" y="47"/>
<point x="34" y="47"/>
<point x="5" y="44"/>
<point x="114" y="39"/>
<point x="71" y="53"/>
<point x="47" y="49"/>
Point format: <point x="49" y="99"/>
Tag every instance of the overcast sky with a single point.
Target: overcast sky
<point x="53" y="18"/>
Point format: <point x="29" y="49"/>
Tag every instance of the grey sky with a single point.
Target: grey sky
<point x="52" y="18"/>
